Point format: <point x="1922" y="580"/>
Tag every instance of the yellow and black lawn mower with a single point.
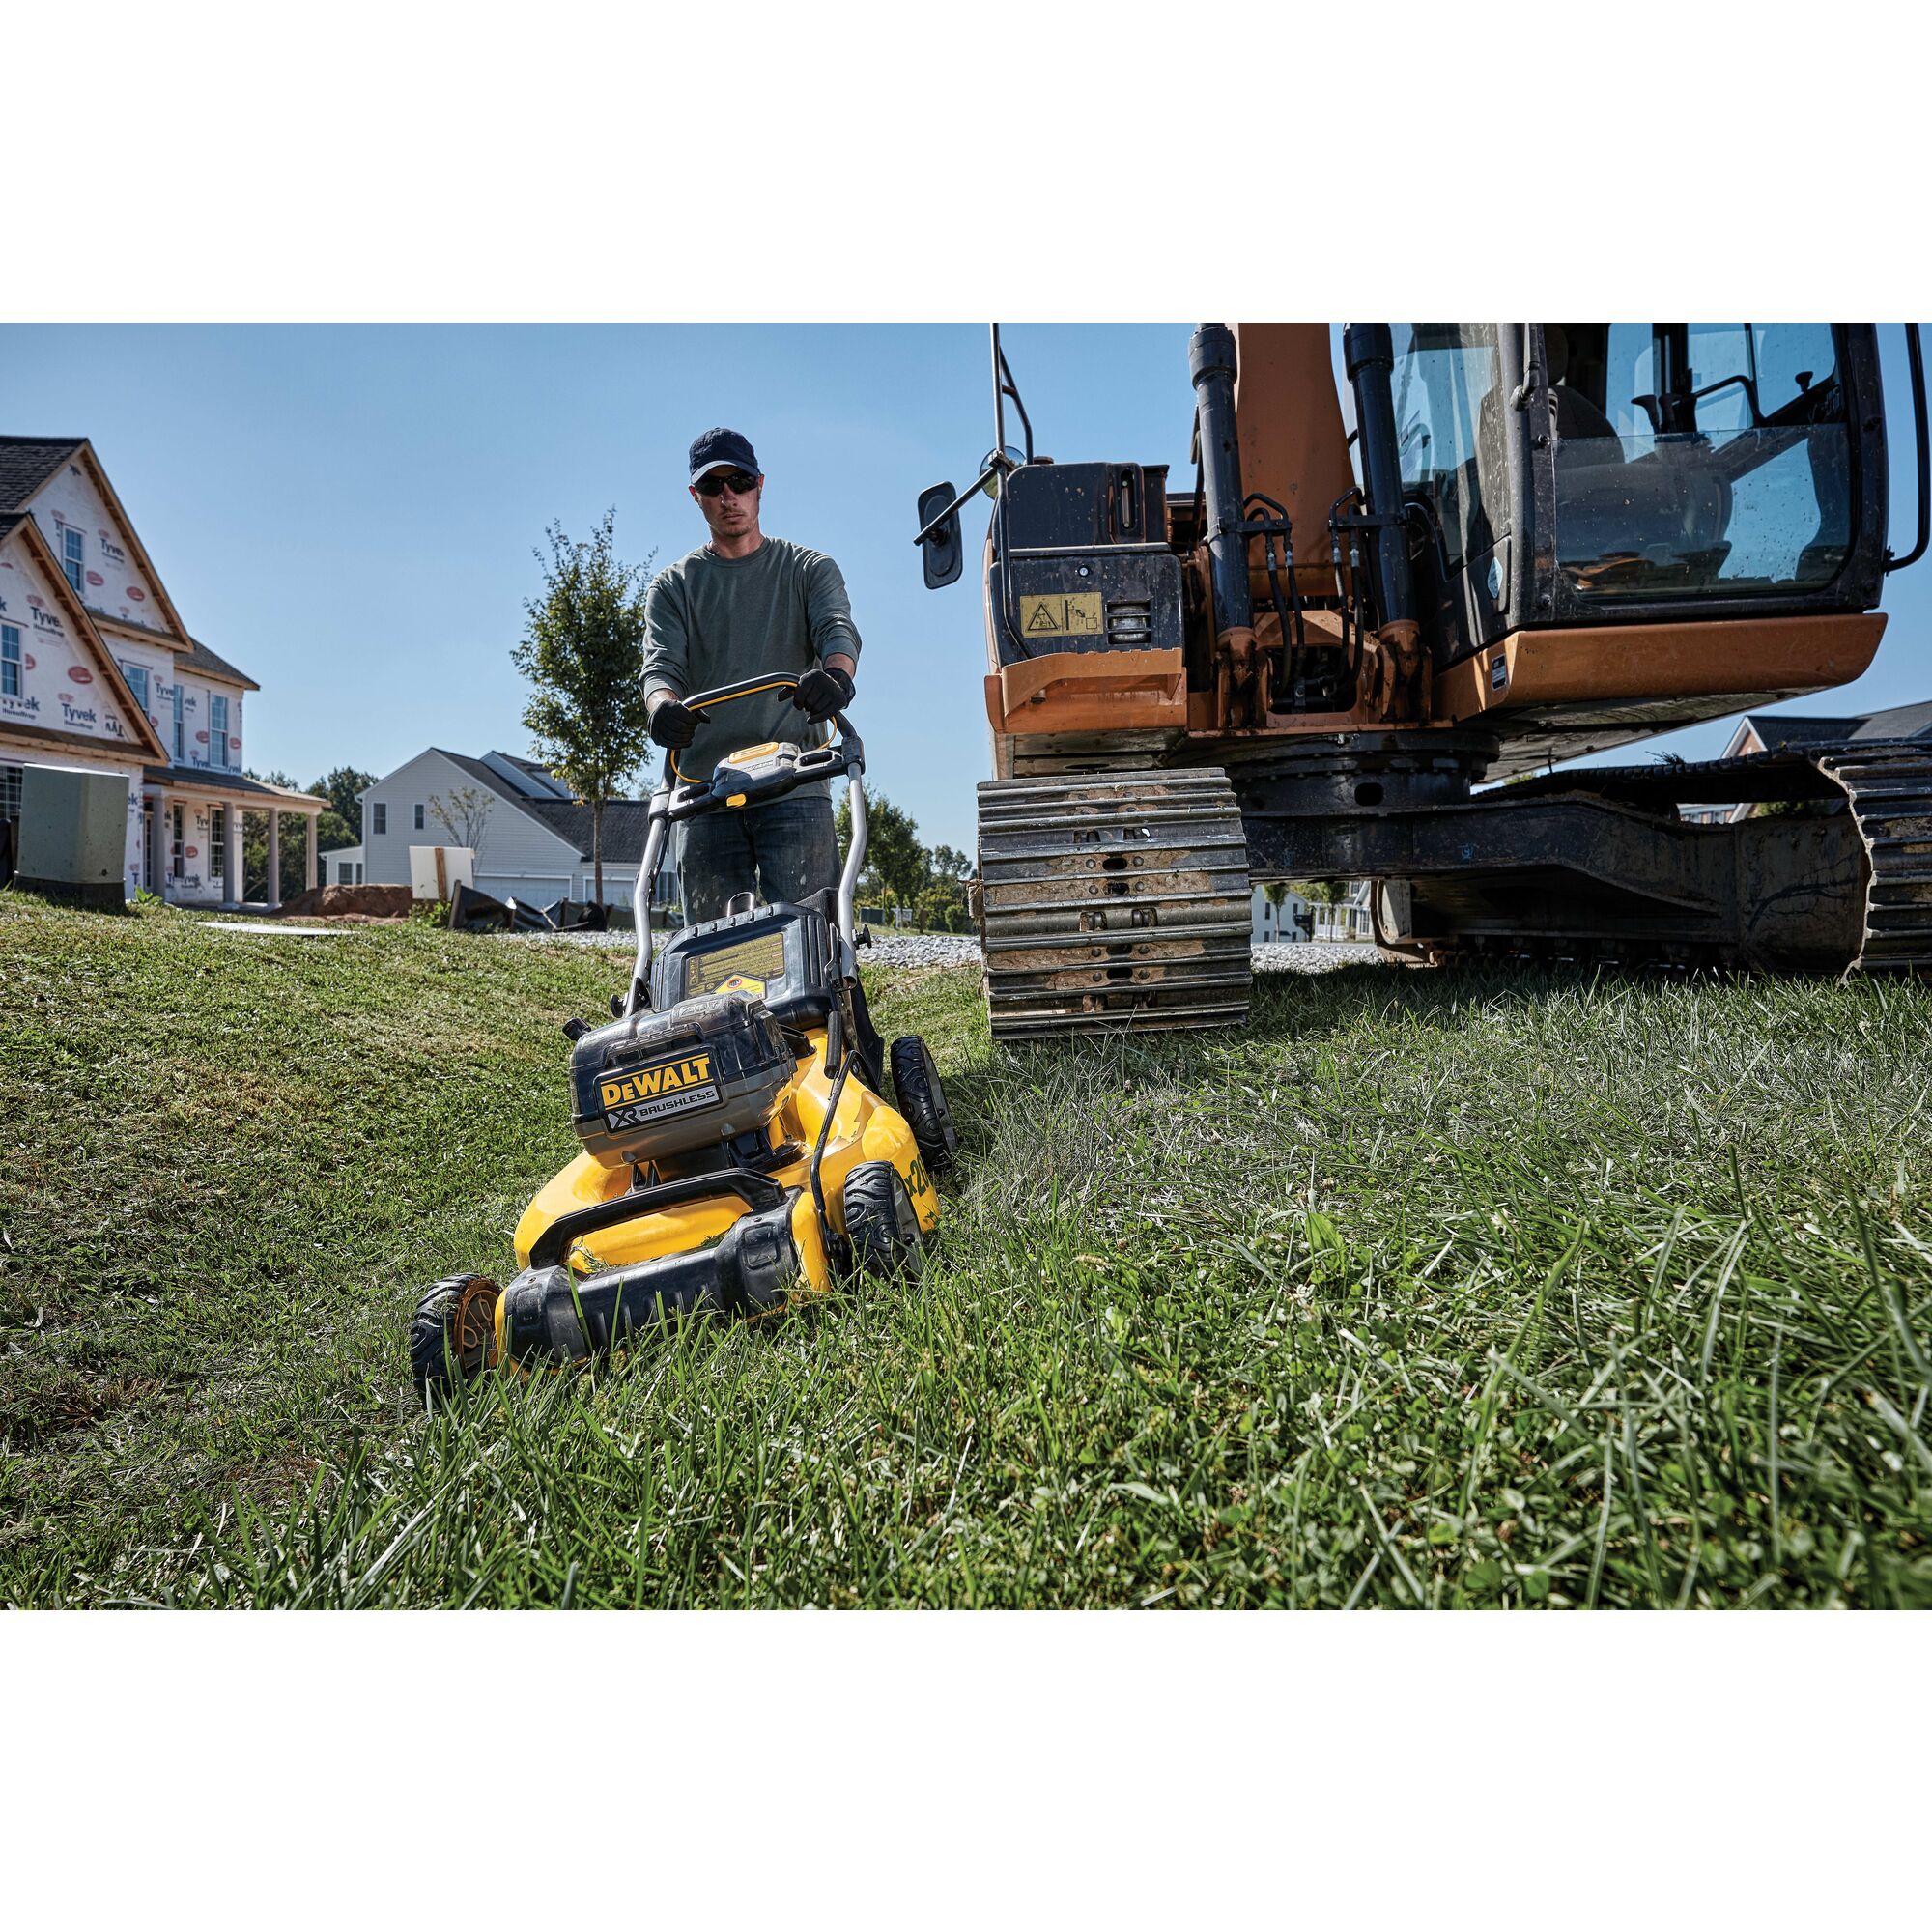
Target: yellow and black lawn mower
<point x="739" y="1154"/>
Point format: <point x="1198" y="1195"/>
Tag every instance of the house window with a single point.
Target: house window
<point x="419" y="818"/>
<point x="218" y="732"/>
<point x="180" y="728"/>
<point x="137" y="681"/>
<point x="218" y="842"/>
<point x="10" y="661"/>
<point x="175" y="842"/>
<point x="9" y="792"/>
<point x="378" y="819"/>
<point x="73" y="559"/>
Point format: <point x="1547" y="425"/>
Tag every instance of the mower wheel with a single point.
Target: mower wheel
<point x="881" y="1223"/>
<point x="453" y="1332"/>
<point x="922" y="1099"/>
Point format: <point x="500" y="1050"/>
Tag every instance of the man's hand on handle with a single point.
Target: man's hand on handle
<point x="821" y="692"/>
<point x="673" y="723"/>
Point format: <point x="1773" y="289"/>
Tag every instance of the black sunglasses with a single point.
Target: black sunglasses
<point x="734" y="480"/>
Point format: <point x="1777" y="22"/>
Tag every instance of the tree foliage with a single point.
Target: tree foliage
<point x="342" y="823"/>
<point x="581" y="651"/>
<point x="293" y="840"/>
<point x="902" y="871"/>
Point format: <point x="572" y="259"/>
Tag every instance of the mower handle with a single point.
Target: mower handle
<point x="681" y="797"/>
<point x="728" y="694"/>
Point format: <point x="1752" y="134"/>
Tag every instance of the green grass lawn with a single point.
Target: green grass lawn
<point x="1434" y="1288"/>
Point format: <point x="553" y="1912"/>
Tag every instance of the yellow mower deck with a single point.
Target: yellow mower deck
<point x="865" y="1128"/>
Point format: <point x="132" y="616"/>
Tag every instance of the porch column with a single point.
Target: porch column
<point x="231" y="846"/>
<point x="274" y="859"/>
<point x="313" y="818"/>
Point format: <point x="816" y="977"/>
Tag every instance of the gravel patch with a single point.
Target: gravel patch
<point x="1316" y="955"/>
<point x="952" y="950"/>
<point x="1319" y="956"/>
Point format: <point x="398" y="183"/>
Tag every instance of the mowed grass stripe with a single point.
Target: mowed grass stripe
<point x="1426" y="1289"/>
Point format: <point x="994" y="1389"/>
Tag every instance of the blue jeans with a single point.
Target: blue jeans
<point x="784" y="852"/>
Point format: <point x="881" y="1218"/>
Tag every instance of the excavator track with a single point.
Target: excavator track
<point x="1111" y="901"/>
<point x="1890" y="786"/>
<point x="1885" y="787"/>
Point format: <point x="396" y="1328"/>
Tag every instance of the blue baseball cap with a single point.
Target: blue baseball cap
<point x="723" y="449"/>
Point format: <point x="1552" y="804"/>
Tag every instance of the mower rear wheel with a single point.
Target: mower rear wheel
<point x="922" y="1099"/>
<point x="881" y="1223"/>
<point x="453" y="1332"/>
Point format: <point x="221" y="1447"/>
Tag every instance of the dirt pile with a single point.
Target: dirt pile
<point x="351" y="901"/>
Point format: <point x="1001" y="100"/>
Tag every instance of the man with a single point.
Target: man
<point x="742" y="604"/>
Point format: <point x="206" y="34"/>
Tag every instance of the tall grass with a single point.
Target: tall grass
<point x="1426" y="1289"/>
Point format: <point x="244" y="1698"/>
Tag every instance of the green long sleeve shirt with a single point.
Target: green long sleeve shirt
<point x="712" y="620"/>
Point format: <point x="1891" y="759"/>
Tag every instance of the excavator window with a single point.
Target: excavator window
<point x="1692" y="459"/>
<point x="1449" y="428"/>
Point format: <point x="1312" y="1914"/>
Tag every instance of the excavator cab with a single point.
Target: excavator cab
<point x="1622" y="474"/>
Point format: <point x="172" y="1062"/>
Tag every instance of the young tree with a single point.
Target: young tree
<point x="464" y="812"/>
<point x="894" y="855"/>
<point x="582" y="649"/>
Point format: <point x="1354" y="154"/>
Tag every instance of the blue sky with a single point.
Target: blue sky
<point x="348" y="513"/>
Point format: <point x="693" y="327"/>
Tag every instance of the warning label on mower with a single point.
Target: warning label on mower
<point x="1065" y="615"/>
<point x="655" y="1092"/>
<point x="752" y="961"/>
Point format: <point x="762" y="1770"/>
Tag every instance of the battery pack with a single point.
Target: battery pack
<point x="659" y="1084"/>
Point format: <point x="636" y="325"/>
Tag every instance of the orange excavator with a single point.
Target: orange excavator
<point x="1541" y="540"/>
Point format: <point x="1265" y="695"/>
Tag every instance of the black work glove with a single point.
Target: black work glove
<point x="673" y="724"/>
<point x="821" y="692"/>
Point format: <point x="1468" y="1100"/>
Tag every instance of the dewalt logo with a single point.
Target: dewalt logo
<point x="649" y="1083"/>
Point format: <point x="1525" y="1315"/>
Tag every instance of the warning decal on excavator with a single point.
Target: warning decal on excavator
<point x="1065" y="615"/>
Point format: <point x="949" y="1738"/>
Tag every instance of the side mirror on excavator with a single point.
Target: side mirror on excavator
<point x="942" y="550"/>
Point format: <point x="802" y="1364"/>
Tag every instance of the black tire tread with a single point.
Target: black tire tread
<point x="429" y="1352"/>
<point x="880" y="1224"/>
<point x="921" y="1098"/>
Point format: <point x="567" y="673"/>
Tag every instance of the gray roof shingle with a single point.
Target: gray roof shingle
<point x="26" y="462"/>
<point x="235" y="782"/>
<point x="201" y="659"/>
<point x="1780" y="727"/>
<point x="1785" y="728"/>
<point x="626" y="820"/>
<point x="1904" y="720"/>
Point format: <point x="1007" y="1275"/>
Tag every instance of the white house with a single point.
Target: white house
<point x="1277" y="924"/>
<point x="1349" y="917"/>
<point x="97" y="673"/>
<point x="1298" y="919"/>
<point x="532" y="838"/>
<point x="1773" y="731"/>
